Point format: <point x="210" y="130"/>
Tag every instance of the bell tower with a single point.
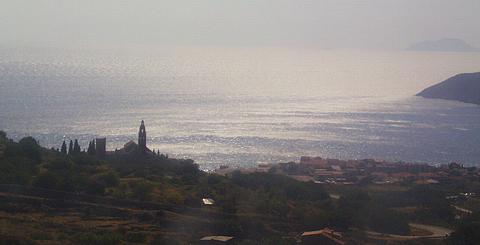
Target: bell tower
<point x="142" y="137"/>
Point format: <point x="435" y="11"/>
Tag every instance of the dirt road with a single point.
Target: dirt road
<point x="436" y="232"/>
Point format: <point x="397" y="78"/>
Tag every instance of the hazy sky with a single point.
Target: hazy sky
<point x="323" y="23"/>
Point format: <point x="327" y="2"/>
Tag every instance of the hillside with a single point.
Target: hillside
<point x="51" y="197"/>
<point x="462" y="87"/>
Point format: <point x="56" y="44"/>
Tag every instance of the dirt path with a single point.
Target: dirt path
<point x="462" y="209"/>
<point x="436" y="232"/>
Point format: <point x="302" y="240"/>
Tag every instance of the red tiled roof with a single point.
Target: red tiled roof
<point x="326" y="232"/>
<point x="217" y="238"/>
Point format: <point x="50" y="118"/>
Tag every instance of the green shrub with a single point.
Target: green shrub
<point x="95" y="187"/>
<point x="101" y="238"/>
<point x="387" y="221"/>
<point x="467" y="231"/>
<point x="142" y="190"/>
<point x="145" y="217"/>
<point x="41" y="236"/>
<point x="46" y="180"/>
<point x="138" y="237"/>
<point x="161" y="240"/>
<point x="16" y="170"/>
<point x="59" y="164"/>
<point x="110" y="179"/>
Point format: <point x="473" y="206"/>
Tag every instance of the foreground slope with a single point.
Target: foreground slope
<point x="51" y="197"/>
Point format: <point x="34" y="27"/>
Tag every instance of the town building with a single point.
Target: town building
<point x="212" y="240"/>
<point x="325" y="236"/>
<point x="142" y="138"/>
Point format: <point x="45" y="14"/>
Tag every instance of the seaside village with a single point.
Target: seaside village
<point x="318" y="170"/>
<point x="356" y="172"/>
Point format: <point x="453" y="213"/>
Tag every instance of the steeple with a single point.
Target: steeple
<point x="142" y="137"/>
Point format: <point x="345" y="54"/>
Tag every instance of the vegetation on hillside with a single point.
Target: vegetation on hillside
<point x="165" y="195"/>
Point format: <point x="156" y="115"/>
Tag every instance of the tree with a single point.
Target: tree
<point x="466" y="232"/>
<point x="70" y="148"/>
<point x="229" y="204"/>
<point x="76" y="147"/>
<point x="91" y="148"/>
<point x="352" y="209"/>
<point x="30" y="148"/>
<point x="64" y="148"/>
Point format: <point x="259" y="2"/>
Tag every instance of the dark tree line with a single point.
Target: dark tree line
<point x="64" y="148"/>
<point x="91" y="148"/>
<point x="73" y="148"/>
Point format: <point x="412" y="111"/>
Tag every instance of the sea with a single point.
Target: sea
<point x="242" y="106"/>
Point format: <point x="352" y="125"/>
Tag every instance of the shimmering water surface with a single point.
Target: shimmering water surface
<point x="243" y="106"/>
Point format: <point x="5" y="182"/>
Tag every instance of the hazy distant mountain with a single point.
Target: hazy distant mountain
<point x="462" y="87"/>
<point x="447" y="44"/>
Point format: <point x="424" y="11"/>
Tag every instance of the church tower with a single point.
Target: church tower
<point x="142" y="137"/>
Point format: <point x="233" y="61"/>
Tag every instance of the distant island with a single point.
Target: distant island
<point x="446" y="44"/>
<point x="462" y="87"/>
